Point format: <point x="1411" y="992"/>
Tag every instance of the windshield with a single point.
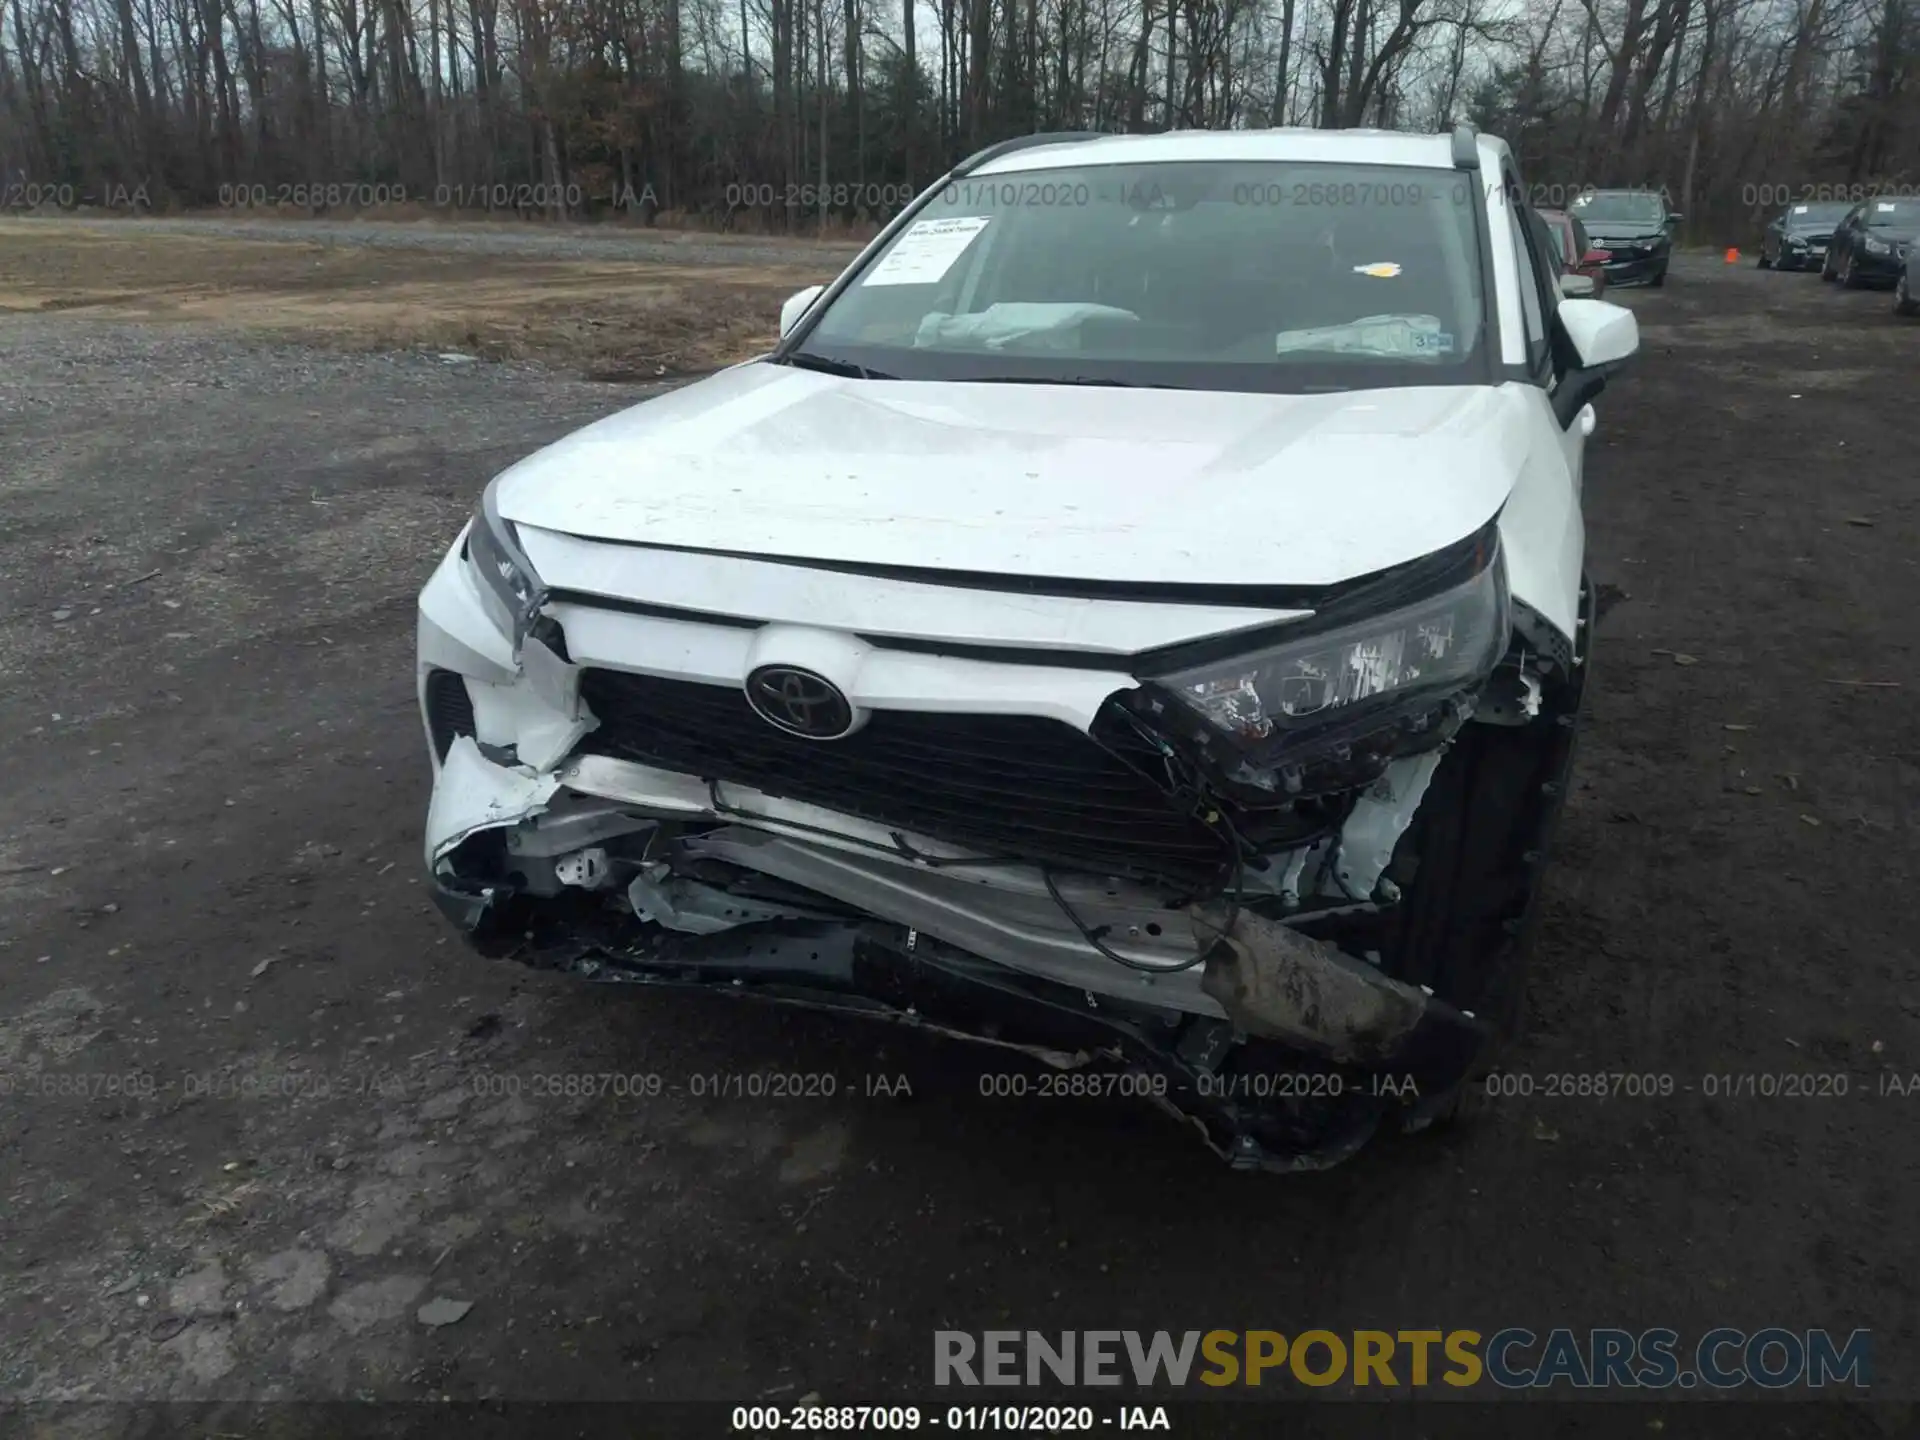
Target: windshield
<point x="1801" y="217"/>
<point x="1621" y="207"/>
<point x="1902" y="217"/>
<point x="1221" y="275"/>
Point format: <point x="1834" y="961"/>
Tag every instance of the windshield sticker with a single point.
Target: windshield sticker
<point x="1800" y="209"/>
<point x="1885" y="207"/>
<point x="1380" y="270"/>
<point x="927" y="251"/>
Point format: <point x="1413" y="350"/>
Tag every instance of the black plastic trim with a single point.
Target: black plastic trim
<point x="449" y="709"/>
<point x="1265" y="597"/>
<point x="1355" y="600"/>
<point x="1269" y="597"/>
<point x="588" y="600"/>
<point x="1326" y="606"/>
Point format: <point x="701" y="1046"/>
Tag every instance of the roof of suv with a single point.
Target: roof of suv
<point x="1352" y="147"/>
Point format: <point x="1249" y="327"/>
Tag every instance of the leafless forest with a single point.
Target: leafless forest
<point x="784" y="113"/>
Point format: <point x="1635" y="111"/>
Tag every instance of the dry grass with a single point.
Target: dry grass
<point x="743" y="223"/>
<point x="608" y="318"/>
<point x="225" y="1207"/>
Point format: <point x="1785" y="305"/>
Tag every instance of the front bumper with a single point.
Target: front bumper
<point x="1630" y="265"/>
<point x="1284" y="1051"/>
<point x="1879" y="269"/>
<point x="1281" y="1047"/>
<point x="1257" y="1102"/>
<point x="1803" y="254"/>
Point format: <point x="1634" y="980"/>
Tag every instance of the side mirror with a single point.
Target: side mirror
<point x="1600" y="337"/>
<point x="1601" y="334"/>
<point x="796" y="306"/>
<point x="1577" y="287"/>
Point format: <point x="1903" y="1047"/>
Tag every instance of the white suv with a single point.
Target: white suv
<point x="1134" y="616"/>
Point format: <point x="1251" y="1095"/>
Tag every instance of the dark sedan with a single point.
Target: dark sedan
<point x="1797" y="238"/>
<point x="1634" y="227"/>
<point x="1870" y="246"/>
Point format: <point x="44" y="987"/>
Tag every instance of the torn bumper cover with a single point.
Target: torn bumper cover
<point x="1224" y="875"/>
<point x="1285" y="1052"/>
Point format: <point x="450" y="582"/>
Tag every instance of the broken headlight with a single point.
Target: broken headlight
<point x="1359" y="675"/>
<point x="509" y="587"/>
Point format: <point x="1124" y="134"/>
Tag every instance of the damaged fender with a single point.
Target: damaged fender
<point x="474" y="794"/>
<point x="1274" y="981"/>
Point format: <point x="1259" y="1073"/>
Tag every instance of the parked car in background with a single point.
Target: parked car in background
<point x="1906" y="295"/>
<point x="1577" y="253"/>
<point x="1797" y="238"/>
<point x="1870" y="245"/>
<point x="1634" y="227"/>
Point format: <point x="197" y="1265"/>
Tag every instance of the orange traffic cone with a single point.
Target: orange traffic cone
<point x="1733" y="256"/>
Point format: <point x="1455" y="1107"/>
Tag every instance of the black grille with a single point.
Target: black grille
<point x="1015" y="785"/>
<point x="449" y="709"/>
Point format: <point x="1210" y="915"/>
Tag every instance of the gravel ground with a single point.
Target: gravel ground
<point x="275" y="1110"/>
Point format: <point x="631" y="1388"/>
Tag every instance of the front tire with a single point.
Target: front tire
<point x="1764" y="262"/>
<point x="1850" y="274"/>
<point x="1826" y="268"/>
<point x="1470" y="864"/>
<point x="1659" y="278"/>
<point x="1903" y="301"/>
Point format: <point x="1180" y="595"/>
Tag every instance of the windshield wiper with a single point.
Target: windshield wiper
<point x="827" y="365"/>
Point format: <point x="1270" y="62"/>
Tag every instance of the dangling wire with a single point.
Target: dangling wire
<point x="1093" y="936"/>
<point x="1096" y="935"/>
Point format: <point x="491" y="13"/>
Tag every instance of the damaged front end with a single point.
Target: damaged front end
<point x="1285" y="885"/>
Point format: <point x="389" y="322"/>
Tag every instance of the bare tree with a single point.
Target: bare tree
<point x="798" y="111"/>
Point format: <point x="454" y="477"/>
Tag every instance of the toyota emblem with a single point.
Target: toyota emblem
<point x="800" y="702"/>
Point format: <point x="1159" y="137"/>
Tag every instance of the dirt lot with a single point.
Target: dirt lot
<point x="209" y="546"/>
<point x="615" y="304"/>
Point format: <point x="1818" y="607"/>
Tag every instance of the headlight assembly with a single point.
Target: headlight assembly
<point x="509" y="586"/>
<point x="1877" y="247"/>
<point x="1362" y="675"/>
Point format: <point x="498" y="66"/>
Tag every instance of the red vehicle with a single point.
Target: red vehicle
<point x="1577" y="255"/>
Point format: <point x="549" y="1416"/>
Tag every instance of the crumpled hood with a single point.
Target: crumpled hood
<point x="1143" y="486"/>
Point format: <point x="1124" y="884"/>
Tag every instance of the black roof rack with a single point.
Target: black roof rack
<point x="1466" y="148"/>
<point x="1022" y="142"/>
